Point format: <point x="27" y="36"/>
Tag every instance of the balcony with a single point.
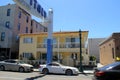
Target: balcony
<point x="61" y="47"/>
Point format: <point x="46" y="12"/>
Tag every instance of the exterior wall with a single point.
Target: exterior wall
<point x="117" y="44"/>
<point x="37" y="27"/>
<point x="109" y="49"/>
<point x="8" y="30"/>
<point x="20" y="22"/>
<point x="8" y="41"/>
<point x="61" y="50"/>
<point x="106" y="55"/>
<point x="28" y="47"/>
<point x="93" y="47"/>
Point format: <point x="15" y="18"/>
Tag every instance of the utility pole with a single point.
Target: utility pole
<point x="81" y="69"/>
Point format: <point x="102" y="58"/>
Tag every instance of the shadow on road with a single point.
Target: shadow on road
<point x="36" y="77"/>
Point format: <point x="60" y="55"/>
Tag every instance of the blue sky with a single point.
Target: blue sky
<point x="100" y="17"/>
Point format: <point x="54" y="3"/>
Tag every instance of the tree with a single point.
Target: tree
<point x="92" y="58"/>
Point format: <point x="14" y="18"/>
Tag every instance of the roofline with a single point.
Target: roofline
<point x="109" y="38"/>
<point x="53" y="32"/>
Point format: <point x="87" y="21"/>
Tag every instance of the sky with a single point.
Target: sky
<point x="100" y="18"/>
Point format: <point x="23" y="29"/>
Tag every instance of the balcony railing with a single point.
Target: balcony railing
<point x="61" y="45"/>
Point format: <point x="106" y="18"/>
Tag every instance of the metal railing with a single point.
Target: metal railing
<point x="61" y="45"/>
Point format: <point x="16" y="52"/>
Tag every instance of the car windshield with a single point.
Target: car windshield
<point x="110" y="66"/>
<point x="21" y="62"/>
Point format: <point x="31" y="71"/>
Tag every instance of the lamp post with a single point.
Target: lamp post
<point x="80" y="38"/>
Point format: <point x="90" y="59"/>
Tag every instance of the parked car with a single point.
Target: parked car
<point x="15" y="65"/>
<point x="58" y="68"/>
<point x="108" y="72"/>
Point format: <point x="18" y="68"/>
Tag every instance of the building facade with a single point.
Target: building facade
<point x="14" y="21"/>
<point x="110" y="49"/>
<point x="93" y="47"/>
<point x="66" y="47"/>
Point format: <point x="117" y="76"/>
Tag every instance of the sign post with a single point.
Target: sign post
<point x="50" y="39"/>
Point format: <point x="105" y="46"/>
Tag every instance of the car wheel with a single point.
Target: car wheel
<point x="21" y="69"/>
<point x="69" y="72"/>
<point x="2" y="68"/>
<point x="45" y="71"/>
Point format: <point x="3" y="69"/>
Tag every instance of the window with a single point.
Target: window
<point x="2" y="36"/>
<point x="113" y="53"/>
<point x="8" y="12"/>
<point x="19" y="26"/>
<point x="45" y="42"/>
<point x="55" y="44"/>
<point x="36" y="26"/>
<point x="27" y="55"/>
<point x="44" y="56"/>
<point x="26" y="30"/>
<point x="74" y="56"/>
<point x="28" y="40"/>
<point x="19" y="15"/>
<point x="30" y="2"/>
<point x="54" y="41"/>
<point x="72" y="42"/>
<point x="31" y="23"/>
<point x="35" y="3"/>
<point x="77" y="40"/>
<point x="27" y="19"/>
<point x="7" y="24"/>
<point x="17" y="38"/>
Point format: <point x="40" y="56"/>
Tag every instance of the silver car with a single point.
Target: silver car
<point x="15" y="65"/>
<point x="58" y="68"/>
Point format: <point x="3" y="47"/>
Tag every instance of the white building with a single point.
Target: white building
<point x="93" y="47"/>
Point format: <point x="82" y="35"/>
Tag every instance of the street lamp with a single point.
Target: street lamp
<point x="80" y="39"/>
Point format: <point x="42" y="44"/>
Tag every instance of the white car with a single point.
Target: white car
<point x="15" y="65"/>
<point x="55" y="67"/>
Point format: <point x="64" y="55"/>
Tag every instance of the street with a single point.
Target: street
<point x="9" y="75"/>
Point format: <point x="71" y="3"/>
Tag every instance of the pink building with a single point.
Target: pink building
<point x="14" y="21"/>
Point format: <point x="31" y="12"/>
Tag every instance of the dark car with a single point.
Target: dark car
<point x="108" y="72"/>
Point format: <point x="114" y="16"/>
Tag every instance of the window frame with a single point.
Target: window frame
<point x="8" y="12"/>
<point x="3" y="36"/>
<point x="28" y="40"/>
<point x="7" y="24"/>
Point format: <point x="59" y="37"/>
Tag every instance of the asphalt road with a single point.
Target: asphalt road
<point x="8" y="75"/>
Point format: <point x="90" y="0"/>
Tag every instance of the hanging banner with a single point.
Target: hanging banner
<point x="32" y="7"/>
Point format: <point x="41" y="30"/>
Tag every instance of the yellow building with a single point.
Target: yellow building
<point x="66" y="47"/>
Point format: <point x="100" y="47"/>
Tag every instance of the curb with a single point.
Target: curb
<point x="35" y="70"/>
